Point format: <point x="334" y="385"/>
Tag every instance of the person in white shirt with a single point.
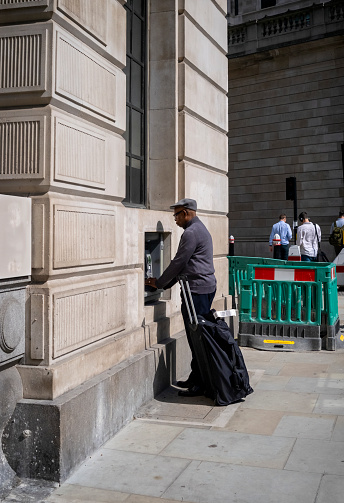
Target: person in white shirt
<point x="308" y="235"/>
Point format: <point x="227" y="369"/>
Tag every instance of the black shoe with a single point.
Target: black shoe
<point x="193" y="391"/>
<point x="185" y="384"/>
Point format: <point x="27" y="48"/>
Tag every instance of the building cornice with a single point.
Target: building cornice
<point x="284" y="29"/>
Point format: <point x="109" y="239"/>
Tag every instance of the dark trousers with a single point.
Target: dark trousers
<point x="307" y="258"/>
<point x="202" y="302"/>
<point x="281" y="252"/>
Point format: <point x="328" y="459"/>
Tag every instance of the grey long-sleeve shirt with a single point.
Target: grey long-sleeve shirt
<point x="194" y="258"/>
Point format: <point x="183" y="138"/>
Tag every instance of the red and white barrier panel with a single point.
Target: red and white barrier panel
<point x="272" y="274"/>
<point x="280" y="274"/>
<point x="294" y="253"/>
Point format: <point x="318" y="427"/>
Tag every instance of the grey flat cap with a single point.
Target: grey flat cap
<point x="191" y="204"/>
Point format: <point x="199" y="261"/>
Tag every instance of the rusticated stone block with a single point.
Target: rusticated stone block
<point x="204" y="55"/>
<point x="201" y="97"/>
<point x="207" y="187"/>
<point x="72" y="234"/>
<point x="93" y="16"/>
<point x="15" y="243"/>
<point x="82" y="79"/>
<point x="82" y="315"/>
<point x="200" y="143"/>
<point x="12" y="320"/>
<point x="209" y="17"/>
<point x="49" y="148"/>
<point x="102" y="21"/>
<point x="74" y="313"/>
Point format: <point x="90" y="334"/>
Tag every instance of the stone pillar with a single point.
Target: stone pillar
<point x="64" y="92"/>
<point x="203" y="125"/>
<point x="163" y="106"/>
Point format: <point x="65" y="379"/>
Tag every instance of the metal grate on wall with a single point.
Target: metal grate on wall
<point x="19" y="148"/>
<point x="20" y="61"/>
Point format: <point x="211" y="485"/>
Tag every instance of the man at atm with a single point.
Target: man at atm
<point x="194" y="258"/>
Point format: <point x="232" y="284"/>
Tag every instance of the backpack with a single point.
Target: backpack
<point x="336" y="237"/>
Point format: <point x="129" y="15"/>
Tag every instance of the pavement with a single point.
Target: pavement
<point x="282" y="444"/>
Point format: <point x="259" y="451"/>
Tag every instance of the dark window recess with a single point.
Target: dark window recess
<point x="290" y="188"/>
<point x="264" y="4"/>
<point x="135" y="71"/>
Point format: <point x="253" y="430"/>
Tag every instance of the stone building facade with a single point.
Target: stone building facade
<point x="286" y="84"/>
<point x="110" y="111"/>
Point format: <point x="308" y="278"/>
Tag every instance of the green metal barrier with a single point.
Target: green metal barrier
<point x="286" y="305"/>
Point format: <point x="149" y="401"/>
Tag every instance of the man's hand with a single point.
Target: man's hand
<point x="151" y="282"/>
<point x="270" y="248"/>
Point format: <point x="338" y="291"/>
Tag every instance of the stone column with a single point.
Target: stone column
<point x="203" y="125"/>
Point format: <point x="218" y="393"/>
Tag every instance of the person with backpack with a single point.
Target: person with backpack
<point x="308" y="238"/>
<point x="336" y="233"/>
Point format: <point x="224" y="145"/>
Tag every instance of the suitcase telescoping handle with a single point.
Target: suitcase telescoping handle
<point x="184" y="285"/>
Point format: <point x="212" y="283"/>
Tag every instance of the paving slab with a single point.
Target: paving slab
<point x="269" y="382"/>
<point x="332" y="404"/>
<point x="143" y="437"/>
<point x="205" y="482"/>
<point x="129" y="472"/>
<point x="273" y="371"/>
<point x="169" y="404"/>
<point x="230" y="447"/>
<point x="137" y="498"/>
<point x="75" y="493"/>
<point x="338" y="432"/>
<point x="317" y="456"/>
<point x="305" y="369"/>
<point x="256" y="421"/>
<point x="281" y="400"/>
<point x="316" y="385"/>
<point x="70" y="493"/>
<point x="252" y="355"/>
<point x="305" y="427"/>
<point x="338" y="365"/>
<point x="310" y="357"/>
<point x="331" y="489"/>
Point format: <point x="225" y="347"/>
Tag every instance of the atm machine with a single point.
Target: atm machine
<point x="154" y="262"/>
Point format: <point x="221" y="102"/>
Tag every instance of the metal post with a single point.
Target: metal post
<point x="295" y="216"/>
<point x="231" y="246"/>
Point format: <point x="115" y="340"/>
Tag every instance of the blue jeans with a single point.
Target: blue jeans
<point x="202" y="303"/>
<point x="306" y="258"/>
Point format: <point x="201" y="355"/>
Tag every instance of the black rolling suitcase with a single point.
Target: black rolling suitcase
<point x="219" y="358"/>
